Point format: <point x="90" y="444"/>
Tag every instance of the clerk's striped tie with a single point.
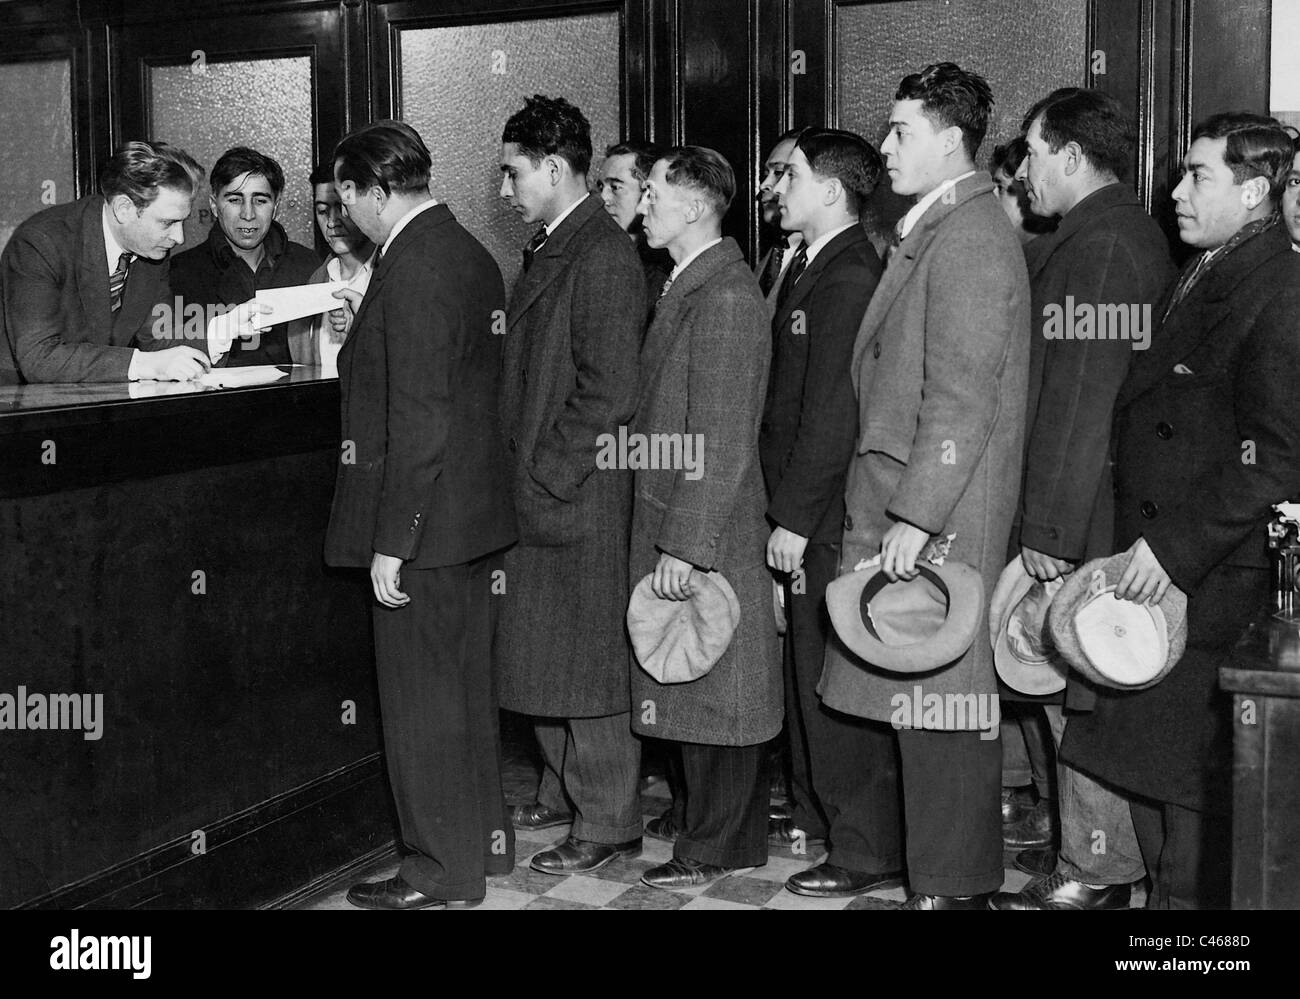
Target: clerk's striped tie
<point x="117" y="281"/>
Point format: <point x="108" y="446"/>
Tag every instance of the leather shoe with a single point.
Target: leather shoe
<point x="682" y="872"/>
<point x="778" y="810"/>
<point x="1060" y="892"/>
<point x="1016" y="801"/>
<point x="783" y="832"/>
<point x="1037" y="827"/>
<point x="1039" y="862"/>
<point x="395" y="893"/>
<point x="829" y="881"/>
<point x="579" y="856"/>
<point x="664" y="827"/>
<point x="537" y="816"/>
<point x="919" y="901"/>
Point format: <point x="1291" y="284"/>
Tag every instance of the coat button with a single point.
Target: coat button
<point x="1148" y="509"/>
<point x="848" y="522"/>
<point x="875" y="351"/>
<point x="513" y="445"/>
<point x="1164" y="431"/>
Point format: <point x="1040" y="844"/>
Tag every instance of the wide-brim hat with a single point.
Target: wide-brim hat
<point x="1117" y="643"/>
<point x="909" y="626"/>
<point x="677" y="641"/>
<point x="1023" y="652"/>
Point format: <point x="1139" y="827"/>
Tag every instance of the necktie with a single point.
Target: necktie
<point x="895" y="240"/>
<point x="797" y="266"/>
<point x="117" y="281"/>
<point x="772" y="271"/>
<point x="534" y="244"/>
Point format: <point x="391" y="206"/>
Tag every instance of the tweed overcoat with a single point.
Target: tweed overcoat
<point x="940" y="368"/>
<point x="704" y="371"/>
<point x="569" y="375"/>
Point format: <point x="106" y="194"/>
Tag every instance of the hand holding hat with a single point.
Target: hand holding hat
<point x="676" y="640"/>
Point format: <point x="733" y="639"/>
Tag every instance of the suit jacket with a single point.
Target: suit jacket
<point x="575" y="321"/>
<point x="56" y="319"/>
<point x="705" y="365"/>
<point x="1207" y="439"/>
<point x="810" y="419"/>
<point x="419" y="373"/>
<point x="940" y="367"/>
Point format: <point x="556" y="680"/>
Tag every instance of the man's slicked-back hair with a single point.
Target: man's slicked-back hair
<point x="1008" y="156"/>
<point x="551" y="126"/>
<point x="704" y="170"/>
<point x="240" y="160"/>
<point x="1096" y="121"/>
<point x="645" y="156"/>
<point x="386" y="154"/>
<point x="139" y="169"/>
<point x="322" y="173"/>
<point x="1257" y="146"/>
<point x="846" y="156"/>
<point x="949" y="96"/>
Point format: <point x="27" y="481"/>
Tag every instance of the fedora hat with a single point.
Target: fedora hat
<point x="1023" y="653"/>
<point x="1117" y="643"/>
<point x="677" y="641"/>
<point x="910" y="626"/>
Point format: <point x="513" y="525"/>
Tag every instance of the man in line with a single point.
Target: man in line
<point x="569" y="376"/>
<point x="246" y="251"/>
<point x="773" y="263"/>
<point x="809" y="429"/>
<point x="940" y="367"/>
<point x="80" y="283"/>
<point x="624" y="170"/>
<point x="1291" y="199"/>
<point x="1109" y="256"/>
<point x="423" y="503"/>
<point x="705" y="365"/>
<point x="1207" y="439"/>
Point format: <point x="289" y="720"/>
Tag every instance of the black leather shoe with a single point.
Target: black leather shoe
<point x="1038" y="827"/>
<point x="1060" y="892"/>
<point x="1016" y="801"/>
<point x="783" y="832"/>
<point x="579" y="856"/>
<point x="778" y="810"/>
<point x="682" y="872"/>
<point x="948" y="902"/>
<point x="664" y="828"/>
<point x="537" y="816"/>
<point x="1039" y="862"/>
<point x="829" y="881"/>
<point x="395" y="893"/>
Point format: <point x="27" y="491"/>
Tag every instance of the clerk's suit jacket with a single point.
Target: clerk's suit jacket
<point x="424" y="479"/>
<point x="810" y="420"/>
<point x="56" y="320"/>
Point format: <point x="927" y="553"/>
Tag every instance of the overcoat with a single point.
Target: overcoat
<point x="704" y="368"/>
<point x="569" y="376"/>
<point x="940" y="368"/>
<point x="1207" y="439"/>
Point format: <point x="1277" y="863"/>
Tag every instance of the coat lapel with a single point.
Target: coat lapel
<point x="551" y="260"/>
<point x="808" y="280"/>
<point x="92" y="281"/>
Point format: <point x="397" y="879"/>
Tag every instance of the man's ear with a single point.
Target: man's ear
<point x="1073" y="158"/>
<point x="834" y="189"/>
<point x="121" y="206"/>
<point x="952" y="139"/>
<point x="1254" y="192"/>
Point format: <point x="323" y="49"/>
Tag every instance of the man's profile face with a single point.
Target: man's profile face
<point x="1043" y="173"/>
<point x="1291" y="200"/>
<point x="664" y="206"/>
<point x="1208" y="202"/>
<point x="152" y="231"/>
<point x="525" y="186"/>
<point x="358" y="207"/>
<point x="773" y="169"/>
<point x="620" y="191"/>
<point x="1008" y="194"/>
<point x="913" y="150"/>
<point x="244" y="209"/>
<point x="800" y="193"/>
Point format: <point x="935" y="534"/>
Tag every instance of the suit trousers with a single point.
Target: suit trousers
<point x="829" y="751"/>
<point x="441" y="735"/>
<point x="1188" y="852"/>
<point x="592" y="767"/>
<point x="944" y="790"/>
<point x="720" y="803"/>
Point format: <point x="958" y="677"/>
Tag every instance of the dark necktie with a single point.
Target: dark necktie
<point x="772" y="271"/>
<point x="117" y="281"/>
<point x="797" y="267"/>
<point x="534" y="244"/>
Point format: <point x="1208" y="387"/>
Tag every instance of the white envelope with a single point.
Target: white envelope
<point x="297" y="302"/>
<point x="251" y="374"/>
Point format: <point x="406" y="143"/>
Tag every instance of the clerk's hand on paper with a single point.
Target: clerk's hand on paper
<point x="341" y="319"/>
<point x="237" y="324"/>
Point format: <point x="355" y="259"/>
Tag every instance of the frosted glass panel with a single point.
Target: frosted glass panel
<point x="262" y="103"/>
<point x="1284" y="75"/>
<point x="459" y="85"/>
<point x="36" y="126"/>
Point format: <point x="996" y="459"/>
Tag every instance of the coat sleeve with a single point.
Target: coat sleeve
<point x="1068" y="440"/>
<point x="1234" y="498"/>
<point x="608" y="317"/>
<point x="828" y="416"/>
<point x="34" y="275"/>
<point x="726" y="387"/>
<point x="969" y="324"/>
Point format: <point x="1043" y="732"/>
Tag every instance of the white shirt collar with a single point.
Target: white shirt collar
<point x="914" y="213"/>
<point x="405" y="220"/>
<point x="550" y="228"/>
<point x="686" y="261"/>
<point x="815" y="246"/>
<point x="112" y="248"/>
<point x="334" y="269"/>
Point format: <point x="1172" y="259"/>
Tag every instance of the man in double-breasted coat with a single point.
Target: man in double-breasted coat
<point x="704" y="374"/>
<point x="1207" y="439"/>
<point x="569" y="376"/>
<point x="940" y="367"/>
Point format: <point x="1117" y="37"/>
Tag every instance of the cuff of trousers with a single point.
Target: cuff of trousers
<point x="732" y="855"/>
<point x="416" y="872"/>
<point x="937" y="883"/>
<point x="607" y="834"/>
<point x="865" y="863"/>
